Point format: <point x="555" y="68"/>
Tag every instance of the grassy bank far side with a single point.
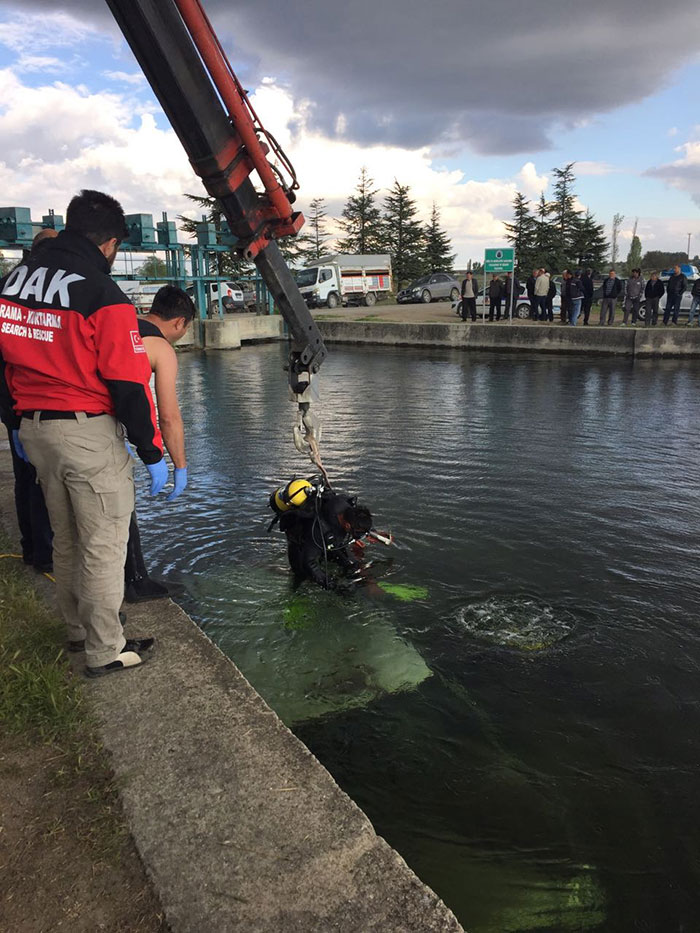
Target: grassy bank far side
<point x="66" y="857"/>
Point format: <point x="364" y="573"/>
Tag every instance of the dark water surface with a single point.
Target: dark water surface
<point x="527" y="735"/>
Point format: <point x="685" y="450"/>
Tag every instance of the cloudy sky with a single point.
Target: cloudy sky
<point x="466" y="104"/>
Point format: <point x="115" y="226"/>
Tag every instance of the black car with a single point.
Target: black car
<point x="435" y="287"/>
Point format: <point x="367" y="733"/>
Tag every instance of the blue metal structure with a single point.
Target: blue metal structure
<point x="17" y="230"/>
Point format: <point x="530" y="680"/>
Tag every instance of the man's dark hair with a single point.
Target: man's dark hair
<point x="637" y="270"/>
<point x="171" y="302"/>
<point x="96" y="216"/>
<point x="359" y="518"/>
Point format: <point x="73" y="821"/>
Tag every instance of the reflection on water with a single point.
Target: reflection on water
<point x="527" y="730"/>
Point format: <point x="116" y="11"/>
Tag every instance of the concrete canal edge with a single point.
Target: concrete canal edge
<point x="594" y="341"/>
<point x="237" y="824"/>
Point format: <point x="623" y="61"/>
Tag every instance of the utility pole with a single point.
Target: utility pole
<point x="689" y="236"/>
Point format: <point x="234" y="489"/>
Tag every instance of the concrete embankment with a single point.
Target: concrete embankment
<point x="238" y="825"/>
<point x="555" y="338"/>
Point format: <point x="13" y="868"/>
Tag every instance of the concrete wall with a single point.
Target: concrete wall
<point x="555" y="338"/>
<point x="230" y="332"/>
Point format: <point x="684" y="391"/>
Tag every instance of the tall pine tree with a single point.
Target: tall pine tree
<point x="225" y="263"/>
<point x="544" y="251"/>
<point x="521" y="233"/>
<point x="438" y="255"/>
<point x="565" y="217"/>
<point x="589" y="246"/>
<point x="315" y="235"/>
<point x="403" y="234"/>
<point x="361" y="221"/>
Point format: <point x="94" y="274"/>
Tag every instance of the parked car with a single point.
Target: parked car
<point x="435" y="287"/>
<point x="143" y="297"/>
<point x="250" y="298"/>
<point x="683" y="312"/>
<point x="521" y="305"/>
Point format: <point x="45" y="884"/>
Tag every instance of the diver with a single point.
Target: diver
<point x="321" y="526"/>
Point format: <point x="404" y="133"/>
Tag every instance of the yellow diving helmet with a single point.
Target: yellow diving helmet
<point x="293" y="495"/>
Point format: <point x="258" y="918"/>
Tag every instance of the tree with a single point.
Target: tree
<point x="316" y="234"/>
<point x="589" y="245"/>
<point x="634" y="257"/>
<point x="521" y="233"/>
<point x="153" y="268"/>
<point x="227" y="263"/>
<point x="437" y="254"/>
<point x="544" y="252"/>
<point x="5" y="265"/>
<point x="658" y="260"/>
<point x="565" y="216"/>
<point x="361" y="220"/>
<point x="404" y="237"/>
<point x="614" y="249"/>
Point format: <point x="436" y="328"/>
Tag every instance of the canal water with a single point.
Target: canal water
<point x="523" y="722"/>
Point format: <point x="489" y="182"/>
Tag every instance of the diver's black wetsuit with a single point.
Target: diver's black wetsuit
<point x="308" y="528"/>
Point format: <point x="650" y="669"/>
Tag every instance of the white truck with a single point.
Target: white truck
<point x="343" y="279"/>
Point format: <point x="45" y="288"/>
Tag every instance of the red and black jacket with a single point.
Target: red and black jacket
<point x="69" y="341"/>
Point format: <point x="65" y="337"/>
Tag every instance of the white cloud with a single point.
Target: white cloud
<point x="46" y="31"/>
<point x="135" y="78"/>
<point x="59" y="138"/>
<point x="683" y="173"/>
<point x="31" y="63"/>
<point x="593" y="168"/>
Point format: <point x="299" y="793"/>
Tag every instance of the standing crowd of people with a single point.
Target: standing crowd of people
<point x="640" y="298"/>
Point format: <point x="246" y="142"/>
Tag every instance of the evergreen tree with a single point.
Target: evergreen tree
<point x="521" y="233"/>
<point x="361" y="220"/>
<point x="404" y="236"/>
<point x="437" y="255"/>
<point x="227" y="263"/>
<point x="317" y="228"/>
<point x="564" y="215"/>
<point x="589" y="246"/>
<point x="544" y="250"/>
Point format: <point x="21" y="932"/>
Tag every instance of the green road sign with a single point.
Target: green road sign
<point x="499" y="260"/>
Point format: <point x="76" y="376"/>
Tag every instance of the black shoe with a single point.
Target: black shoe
<point x="144" y="588"/>
<point x="139" y="645"/>
<point x="44" y="568"/>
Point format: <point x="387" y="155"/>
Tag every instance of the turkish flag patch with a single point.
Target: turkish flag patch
<point x="136" y="342"/>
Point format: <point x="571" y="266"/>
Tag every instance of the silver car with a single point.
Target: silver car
<point x="435" y="287"/>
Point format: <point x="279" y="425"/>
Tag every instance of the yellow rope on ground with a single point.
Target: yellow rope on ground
<point x="20" y="557"/>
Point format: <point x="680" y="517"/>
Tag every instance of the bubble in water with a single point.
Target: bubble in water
<point x="516" y="622"/>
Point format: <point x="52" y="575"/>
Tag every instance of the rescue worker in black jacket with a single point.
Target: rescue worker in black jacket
<point x="321" y="526"/>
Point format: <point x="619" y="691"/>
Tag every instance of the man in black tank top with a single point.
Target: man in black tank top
<point x="167" y="321"/>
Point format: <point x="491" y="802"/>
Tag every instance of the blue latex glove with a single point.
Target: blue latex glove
<point x="129" y="450"/>
<point x="180" y="482"/>
<point x="19" y="449"/>
<point x="159" y="475"/>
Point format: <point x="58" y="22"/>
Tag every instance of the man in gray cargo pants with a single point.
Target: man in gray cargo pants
<point x="87" y="478"/>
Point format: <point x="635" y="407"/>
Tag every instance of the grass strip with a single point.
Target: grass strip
<point x="42" y="702"/>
